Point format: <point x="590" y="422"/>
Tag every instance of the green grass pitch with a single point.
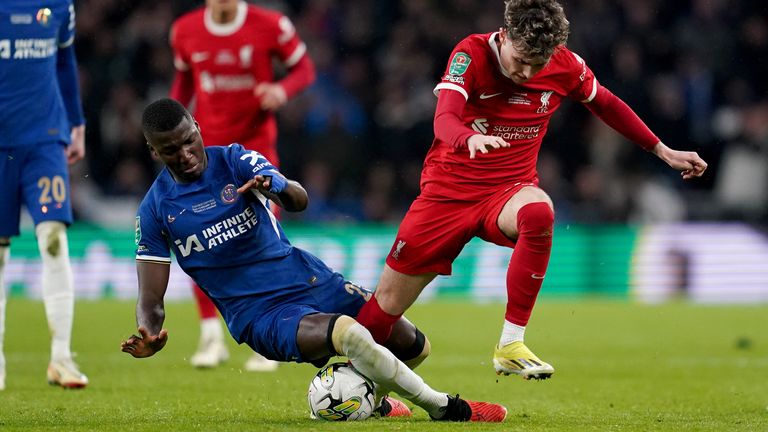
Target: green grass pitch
<point x="620" y="366"/>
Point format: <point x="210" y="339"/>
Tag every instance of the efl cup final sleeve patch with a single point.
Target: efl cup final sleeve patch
<point x="459" y="63"/>
<point x="138" y="230"/>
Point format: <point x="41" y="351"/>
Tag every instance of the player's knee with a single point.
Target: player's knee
<point x="51" y="238"/>
<point x="340" y="329"/>
<point x="536" y="219"/>
<point x="417" y="352"/>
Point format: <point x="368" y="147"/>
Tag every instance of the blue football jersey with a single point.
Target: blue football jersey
<point x="31" y="32"/>
<point x="236" y="251"/>
<point x="207" y="224"/>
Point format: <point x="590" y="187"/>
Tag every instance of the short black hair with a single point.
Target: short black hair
<point x="163" y="115"/>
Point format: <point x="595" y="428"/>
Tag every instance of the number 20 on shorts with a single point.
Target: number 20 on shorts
<point x="52" y="189"/>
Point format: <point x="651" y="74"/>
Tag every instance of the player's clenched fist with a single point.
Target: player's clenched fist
<point x="481" y="143"/>
<point x="690" y="164"/>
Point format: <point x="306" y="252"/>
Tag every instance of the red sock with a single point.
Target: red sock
<point x="378" y="322"/>
<point x="529" y="261"/>
<point x="204" y="304"/>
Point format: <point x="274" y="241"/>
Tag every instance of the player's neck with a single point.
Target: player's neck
<point x="223" y="16"/>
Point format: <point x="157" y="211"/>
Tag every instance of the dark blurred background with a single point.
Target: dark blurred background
<point x="695" y="71"/>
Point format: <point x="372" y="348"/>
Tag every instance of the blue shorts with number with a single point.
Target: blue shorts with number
<point x="272" y="332"/>
<point x="38" y="177"/>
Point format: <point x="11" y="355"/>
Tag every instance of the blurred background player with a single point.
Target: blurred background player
<point x="224" y="55"/>
<point x="279" y="299"/>
<point x="41" y="130"/>
<point x="495" y="101"/>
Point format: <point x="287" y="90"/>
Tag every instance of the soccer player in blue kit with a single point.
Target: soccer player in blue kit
<point x="41" y="129"/>
<point x="209" y="205"/>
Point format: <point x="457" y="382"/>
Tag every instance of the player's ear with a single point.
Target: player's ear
<point x="153" y="152"/>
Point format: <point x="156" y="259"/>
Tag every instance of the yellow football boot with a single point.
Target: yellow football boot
<point x="516" y="358"/>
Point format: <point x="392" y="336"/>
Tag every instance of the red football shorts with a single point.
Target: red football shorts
<point x="434" y="232"/>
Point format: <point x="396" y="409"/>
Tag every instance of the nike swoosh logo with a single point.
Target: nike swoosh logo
<point x="535" y="276"/>
<point x="485" y="96"/>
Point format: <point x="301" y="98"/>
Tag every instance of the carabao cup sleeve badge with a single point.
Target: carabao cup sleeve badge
<point x="459" y="63"/>
<point x="229" y="194"/>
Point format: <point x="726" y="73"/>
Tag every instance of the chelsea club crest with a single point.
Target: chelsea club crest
<point x="229" y="194"/>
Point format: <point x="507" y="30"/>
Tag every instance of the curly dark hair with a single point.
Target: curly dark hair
<point x="537" y="27"/>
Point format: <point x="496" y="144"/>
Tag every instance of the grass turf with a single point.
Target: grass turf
<point x="619" y="367"/>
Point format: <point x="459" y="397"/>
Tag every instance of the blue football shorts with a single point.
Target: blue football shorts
<point x="273" y="332"/>
<point x="38" y="177"/>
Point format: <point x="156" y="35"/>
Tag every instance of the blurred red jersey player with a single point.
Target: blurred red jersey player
<point x="223" y="54"/>
<point x="479" y="179"/>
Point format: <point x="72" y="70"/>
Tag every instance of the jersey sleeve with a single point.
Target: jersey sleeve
<point x="180" y="58"/>
<point x="288" y="45"/>
<point x="66" y="69"/>
<point x="151" y="243"/>
<point x="460" y="72"/>
<point x="584" y="87"/>
<point x="67" y="29"/>
<point x="248" y="163"/>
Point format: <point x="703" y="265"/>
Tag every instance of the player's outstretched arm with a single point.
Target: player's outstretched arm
<point x="690" y="164"/>
<point x="150" y="310"/>
<point x="618" y="115"/>
<point x="288" y="194"/>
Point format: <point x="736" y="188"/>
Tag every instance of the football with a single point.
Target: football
<point x="338" y="392"/>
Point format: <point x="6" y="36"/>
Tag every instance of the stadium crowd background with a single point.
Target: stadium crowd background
<point x="693" y="70"/>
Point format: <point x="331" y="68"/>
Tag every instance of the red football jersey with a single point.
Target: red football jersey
<point x="497" y="106"/>
<point x="227" y="61"/>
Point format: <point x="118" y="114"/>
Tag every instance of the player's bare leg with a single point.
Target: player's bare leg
<point x="528" y="217"/>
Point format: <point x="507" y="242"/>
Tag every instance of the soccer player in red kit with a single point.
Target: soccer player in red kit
<point x="223" y="55"/>
<point x="479" y="179"/>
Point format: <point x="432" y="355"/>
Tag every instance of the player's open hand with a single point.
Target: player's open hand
<point x="481" y="143"/>
<point x="690" y="164"/>
<point x="144" y="345"/>
<point x="272" y="95"/>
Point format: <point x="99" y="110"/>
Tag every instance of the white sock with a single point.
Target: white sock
<point x="511" y="333"/>
<point x="210" y="329"/>
<point x="4" y="256"/>
<point x="58" y="286"/>
<point x="381" y="366"/>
